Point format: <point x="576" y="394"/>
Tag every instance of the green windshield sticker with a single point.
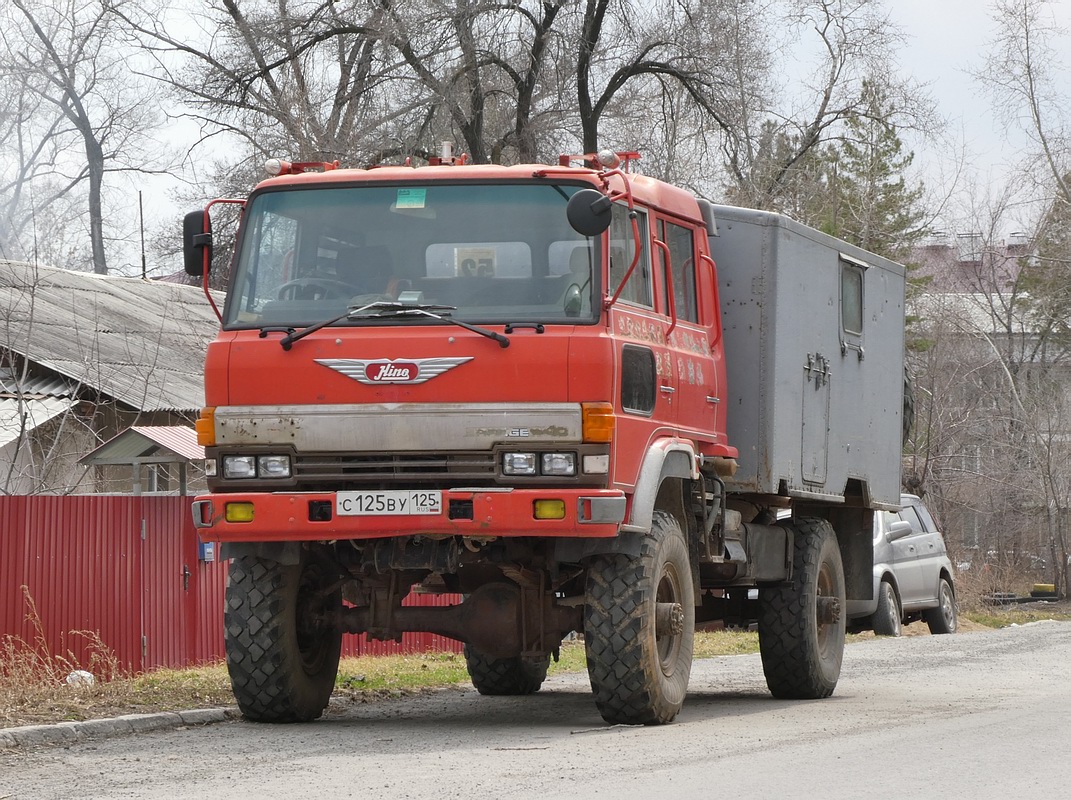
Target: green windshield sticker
<point x="410" y="198"/>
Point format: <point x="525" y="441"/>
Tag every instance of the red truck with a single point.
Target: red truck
<point x="580" y="398"/>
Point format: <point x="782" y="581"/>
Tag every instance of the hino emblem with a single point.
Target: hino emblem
<point x="385" y="370"/>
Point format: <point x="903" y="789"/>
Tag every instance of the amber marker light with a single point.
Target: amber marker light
<point x="598" y="422"/>
<point x="206" y="427"/>
<point x="238" y="512"/>
<point x="548" y="509"/>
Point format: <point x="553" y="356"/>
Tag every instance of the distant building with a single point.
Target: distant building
<point x="966" y="262"/>
<point x="84" y="357"/>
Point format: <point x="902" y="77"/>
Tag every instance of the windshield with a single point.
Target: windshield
<point x="497" y="253"/>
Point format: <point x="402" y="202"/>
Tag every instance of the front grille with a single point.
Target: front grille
<point x="382" y="470"/>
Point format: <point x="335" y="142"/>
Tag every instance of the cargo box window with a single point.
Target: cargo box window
<point x="851" y="298"/>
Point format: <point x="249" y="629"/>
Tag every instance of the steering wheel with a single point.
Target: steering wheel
<point x="315" y="288"/>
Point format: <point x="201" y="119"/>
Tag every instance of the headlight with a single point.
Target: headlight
<point x="273" y="466"/>
<point x="239" y="467"/>
<point x="559" y="464"/>
<point x="518" y="463"/>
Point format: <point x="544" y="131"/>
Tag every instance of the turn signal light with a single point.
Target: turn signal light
<point x="206" y="427"/>
<point x="598" y="422"/>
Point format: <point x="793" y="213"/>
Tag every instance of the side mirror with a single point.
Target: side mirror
<point x="196" y="242"/>
<point x="898" y="530"/>
<point x="589" y="212"/>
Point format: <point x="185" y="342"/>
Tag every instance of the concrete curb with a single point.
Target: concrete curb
<point x="72" y="732"/>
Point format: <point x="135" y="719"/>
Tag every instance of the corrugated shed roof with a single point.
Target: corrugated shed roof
<point x="37" y="412"/>
<point x="138" y="441"/>
<point x="140" y="342"/>
<point x="34" y="387"/>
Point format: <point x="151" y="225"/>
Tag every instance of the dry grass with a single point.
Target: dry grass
<point x="39" y="685"/>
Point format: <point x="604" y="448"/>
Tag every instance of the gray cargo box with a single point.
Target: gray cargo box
<point x="814" y="344"/>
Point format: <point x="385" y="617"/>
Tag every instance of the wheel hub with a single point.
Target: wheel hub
<point x="669" y="619"/>
<point x="828" y="610"/>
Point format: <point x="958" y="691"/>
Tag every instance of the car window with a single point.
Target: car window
<point x="908" y="513"/>
<point x="927" y="518"/>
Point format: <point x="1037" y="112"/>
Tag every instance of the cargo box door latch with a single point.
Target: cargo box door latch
<point x="817" y="369"/>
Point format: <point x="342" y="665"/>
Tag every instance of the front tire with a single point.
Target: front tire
<point x="639" y="623"/>
<point x="887" y="618"/>
<point x="801" y="625"/>
<point x="282" y="645"/>
<point x="944" y="618"/>
<point x="505" y="676"/>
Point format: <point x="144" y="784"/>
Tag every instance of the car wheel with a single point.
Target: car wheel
<point x="887" y="619"/>
<point x="943" y="619"/>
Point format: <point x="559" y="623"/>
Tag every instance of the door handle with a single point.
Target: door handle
<point x="186" y="578"/>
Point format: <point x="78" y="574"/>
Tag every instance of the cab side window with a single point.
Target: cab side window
<point x="623" y="250"/>
<point x="681" y="244"/>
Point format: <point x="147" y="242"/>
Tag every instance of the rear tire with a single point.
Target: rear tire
<point x="282" y="647"/>
<point x="505" y="676"/>
<point x="887" y="618"/>
<point x="944" y="618"/>
<point x="801" y="625"/>
<point x="639" y="623"/>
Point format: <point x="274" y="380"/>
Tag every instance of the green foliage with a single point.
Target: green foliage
<point x="870" y="204"/>
<point x="854" y="188"/>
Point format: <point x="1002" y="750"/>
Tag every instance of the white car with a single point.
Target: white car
<point x="912" y="574"/>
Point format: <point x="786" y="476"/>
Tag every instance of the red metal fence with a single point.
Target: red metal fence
<point x="126" y="571"/>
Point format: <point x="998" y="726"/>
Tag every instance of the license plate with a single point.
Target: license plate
<point x="388" y="503"/>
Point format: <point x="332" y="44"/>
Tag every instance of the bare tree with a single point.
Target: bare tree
<point x="1022" y="73"/>
<point x="491" y="73"/>
<point x="991" y="442"/>
<point x="853" y="47"/>
<point x="33" y="191"/>
<point x="299" y="77"/>
<point x="67" y="57"/>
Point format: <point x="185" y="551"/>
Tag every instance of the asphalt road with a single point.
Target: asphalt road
<point x="975" y="715"/>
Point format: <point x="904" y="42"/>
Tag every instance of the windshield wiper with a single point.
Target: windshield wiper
<point x="397" y="308"/>
<point x="384" y="308"/>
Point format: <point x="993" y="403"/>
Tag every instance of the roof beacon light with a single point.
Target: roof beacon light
<point x="609" y="159"/>
<point x="276" y="166"/>
<point x="447" y="152"/>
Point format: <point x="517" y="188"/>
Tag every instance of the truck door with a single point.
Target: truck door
<point x="692" y="364"/>
<point x="646" y="385"/>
